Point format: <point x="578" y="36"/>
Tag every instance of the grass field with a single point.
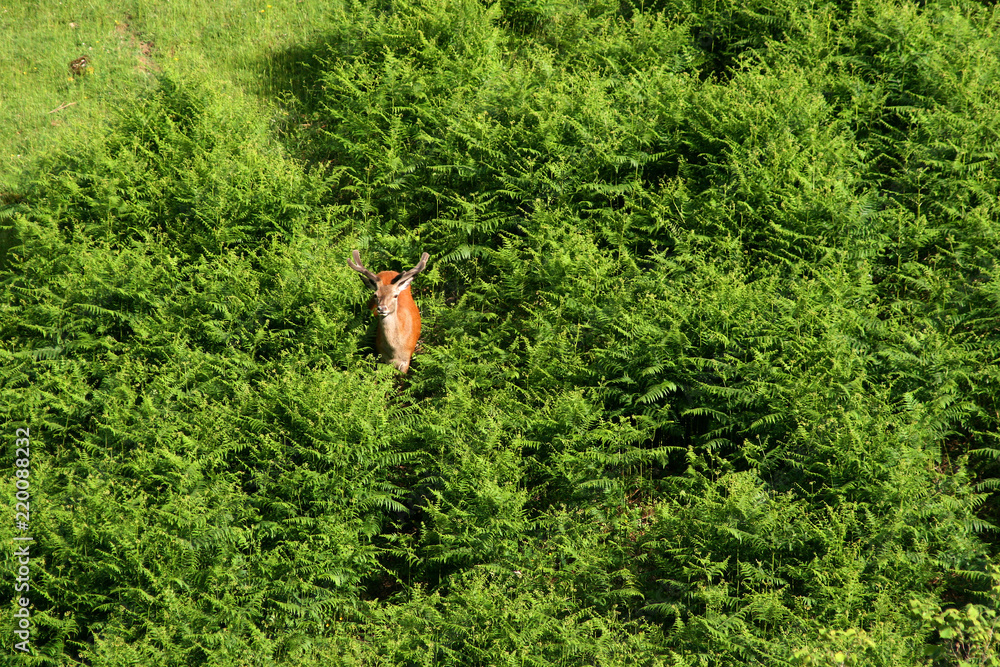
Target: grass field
<point x="241" y="49"/>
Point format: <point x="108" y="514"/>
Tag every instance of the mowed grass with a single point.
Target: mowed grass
<point x="233" y="46"/>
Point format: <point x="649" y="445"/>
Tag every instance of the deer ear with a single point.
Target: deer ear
<point x="404" y="279"/>
<point x="402" y="284"/>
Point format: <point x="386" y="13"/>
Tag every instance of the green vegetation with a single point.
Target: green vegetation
<point x="711" y="352"/>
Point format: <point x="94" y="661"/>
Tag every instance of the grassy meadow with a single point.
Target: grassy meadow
<point x="710" y="355"/>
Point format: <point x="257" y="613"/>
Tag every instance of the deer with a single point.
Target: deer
<point x="399" y="318"/>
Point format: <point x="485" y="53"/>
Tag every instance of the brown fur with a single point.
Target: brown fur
<point x="399" y="328"/>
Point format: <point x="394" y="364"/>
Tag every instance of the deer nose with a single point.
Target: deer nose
<point x="382" y="310"/>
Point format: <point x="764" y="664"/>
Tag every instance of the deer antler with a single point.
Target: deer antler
<point x="370" y="278"/>
<point x="406" y="276"/>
